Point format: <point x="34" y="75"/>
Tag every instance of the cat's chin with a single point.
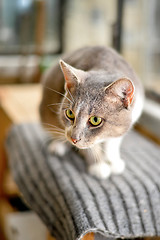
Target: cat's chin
<point x="81" y="146"/>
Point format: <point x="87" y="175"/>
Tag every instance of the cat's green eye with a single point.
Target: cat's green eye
<point x="95" y="121"/>
<point x="70" y="114"/>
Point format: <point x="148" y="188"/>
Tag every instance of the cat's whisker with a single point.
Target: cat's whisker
<point x="97" y="155"/>
<point x="62" y="140"/>
<point x="54" y="134"/>
<point x="46" y="141"/>
<point x="53" y="90"/>
<point x="56" y="104"/>
<point x="56" y="112"/>
<point x="54" y="129"/>
<point x="70" y="95"/>
<point x="51" y="130"/>
<point x="93" y="155"/>
<point x="91" y="152"/>
<point x="57" y="134"/>
<point x="53" y="126"/>
<point x="60" y="137"/>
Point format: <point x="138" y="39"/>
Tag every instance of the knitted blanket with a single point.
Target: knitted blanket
<point x="72" y="203"/>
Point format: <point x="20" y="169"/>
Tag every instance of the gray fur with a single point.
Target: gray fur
<point x="93" y="88"/>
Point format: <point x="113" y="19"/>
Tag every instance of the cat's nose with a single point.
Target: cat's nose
<point x="74" y="140"/>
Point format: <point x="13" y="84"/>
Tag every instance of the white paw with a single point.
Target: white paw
<point x="57" y="148"/>
<point x="100" y="170"/>
<point x="118" y="167"/>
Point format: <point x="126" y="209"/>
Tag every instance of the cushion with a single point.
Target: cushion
<point x="72" y="203"/>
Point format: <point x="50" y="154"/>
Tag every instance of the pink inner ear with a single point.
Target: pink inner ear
<point x="128" y="93"/>
<point x="68" y="82"/>
<point x="68" y="74"/>
<point x="124" y="89"/>
<point x="68" y="85"/>
<point x="72" y="75"/>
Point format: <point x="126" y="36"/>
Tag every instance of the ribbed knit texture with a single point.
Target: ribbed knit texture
<point x="72" y="203"/>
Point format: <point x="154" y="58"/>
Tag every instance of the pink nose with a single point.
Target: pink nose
<point x="74" y="140"/>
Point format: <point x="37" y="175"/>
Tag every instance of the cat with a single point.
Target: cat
<point x="91" y="99"/>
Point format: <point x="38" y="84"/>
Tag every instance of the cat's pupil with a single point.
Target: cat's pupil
<point x="95" y="119"/>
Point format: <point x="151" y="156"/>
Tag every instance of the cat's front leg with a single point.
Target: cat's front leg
<point x="57" y="148"/>
<point x="112" y="154"/>
<point x="95" y="160"/>
<point x="100" y="170"/>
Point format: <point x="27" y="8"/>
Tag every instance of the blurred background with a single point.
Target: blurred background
<point x="32" y="32"/>
<point x="33" y="35"/>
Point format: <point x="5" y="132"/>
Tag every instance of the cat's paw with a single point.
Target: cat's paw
<point x="118" y="167"/>
<point x="57" y="148"/>
<point x="100" y="170"/>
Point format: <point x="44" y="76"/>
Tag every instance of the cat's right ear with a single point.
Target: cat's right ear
<point x="72" y="75"/>
<point x="123" y="89"/>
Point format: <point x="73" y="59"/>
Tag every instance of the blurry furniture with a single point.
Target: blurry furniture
<point x="29" y="30"/>
<point x="18" y="103"/>
<point x="72" y="203"/>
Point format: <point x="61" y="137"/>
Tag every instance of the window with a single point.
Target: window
<point x="30" y="26"/>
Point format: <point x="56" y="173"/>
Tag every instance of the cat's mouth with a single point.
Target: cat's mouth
<point x="79" y="143"/>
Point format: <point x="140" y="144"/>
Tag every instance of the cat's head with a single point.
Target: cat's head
<point x="93" y="110"/>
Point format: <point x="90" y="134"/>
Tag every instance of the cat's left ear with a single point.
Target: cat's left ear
<point x="124" y="89"/>
<point x="72" y="75"/>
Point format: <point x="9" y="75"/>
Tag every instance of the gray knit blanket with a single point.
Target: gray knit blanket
<point x="72" y="203"/>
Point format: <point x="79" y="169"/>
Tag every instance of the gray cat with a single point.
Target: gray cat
<point x="91" y="101"/>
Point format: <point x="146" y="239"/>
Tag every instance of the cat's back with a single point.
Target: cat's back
<point x="98" y="58"/>
<point x="92" y="58"/>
